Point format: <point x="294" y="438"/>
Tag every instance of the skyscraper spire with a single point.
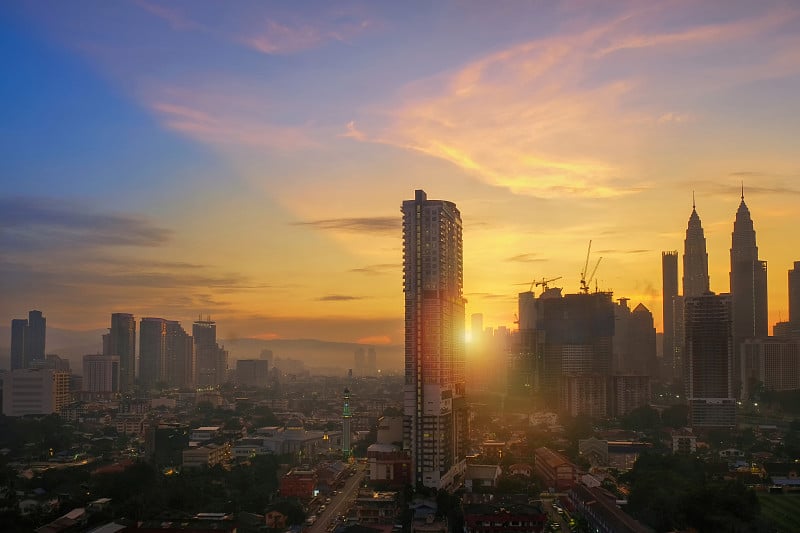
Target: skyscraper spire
<point x="695" y="258"/>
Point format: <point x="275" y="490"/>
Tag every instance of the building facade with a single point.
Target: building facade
<point x="39" y="391"/>
<point x="211" y="361"/>
<point x="669" y="290"/>
<point x="101" y="374"/>
<point x="709" y="368"/>
<point x="122" y="342"/>
<point x="436" y="424"/>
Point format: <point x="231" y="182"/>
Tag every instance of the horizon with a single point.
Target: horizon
<point x="164" y="160"/>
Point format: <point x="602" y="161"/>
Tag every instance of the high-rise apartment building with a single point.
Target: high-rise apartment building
<point x="641" y="357"/>
<point x="101" y="374"/>
<point x="252" y="373"/>
<point x="435" y="425"/>
<point x="669" y="290"/>
<point x="695" y="258"/>
<point x="152" y="351"/>
<point x="709" y="361"/>
<point x="179" y="356"/>
<point x="211" y="361"/>
<point x="28" y="340"/>
<point x="122" y="342"/>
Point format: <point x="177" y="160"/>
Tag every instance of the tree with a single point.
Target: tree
<point x="641" y="419"/>
<point x="675" y="416"/>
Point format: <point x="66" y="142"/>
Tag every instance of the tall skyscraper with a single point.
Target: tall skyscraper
<point x="211" y="361"/>
<point x="709" y="361"/>
<point x="435" y="425"/>
<point x="179" y="356"/>
<point x="695" y="258"/>
<point x="669" y="290"/>
<point x="152" y="351"/>
<point x="122" y="342"/>
<point x="794" y="295"/>
<point x="748" y="279"/>
<point x="19" y="335"/>
<point x="35" y="343"/>
<point x="641" y="343"/>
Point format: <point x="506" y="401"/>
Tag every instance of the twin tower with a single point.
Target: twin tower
<point x="748" y="285"/>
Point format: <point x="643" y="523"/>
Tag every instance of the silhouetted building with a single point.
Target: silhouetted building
<point x="628" y="392"/>
<point x="28" y="340"/>
<point x="669" y="290"/>
<point x="576" y="333"/>
<point x="122" y="342"/>
<point x="211" y="361"/>
<point x="252" y="373"/>
<point x="19" y="334"/>
<point x="748" y="279"/>
<point x="709" y="361"/>
<point x="641" y="344"/>
<point x="101" y="374"/>
<point x="359" y="361"/>
<point x="794" y="294"/>
<point x="152" y="351"/>
<point x="372" y="361"/>
<point x="695" y="258"/>
<point x="771" y="364"/>
<point x="179" y="356"/>
<point x="436" y="428"/>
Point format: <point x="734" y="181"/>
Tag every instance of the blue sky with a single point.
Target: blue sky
<point x="248" y="159"/>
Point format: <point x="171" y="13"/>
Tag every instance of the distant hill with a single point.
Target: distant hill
<point x="315" y="353"/>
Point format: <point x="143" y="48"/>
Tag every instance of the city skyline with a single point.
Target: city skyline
<point x="229" y="168"/>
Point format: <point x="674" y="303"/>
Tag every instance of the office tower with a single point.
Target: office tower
<point x="435" y="425"/>
<point x="122" y="342"/>
<point x="709" y="360"/>
<point x="748" y="279"/>
<point x="19" y="334"/>
<point x="641" y="358"/>
<point x="252" y="373"/>
<point x="35" y="391"/>
<point x="211" y="361"/>
<point x="35" y="343"/>
<point x="669" y="290"/>
<point x="347" y="432"/>
<point x="101" y="374"/>
<point x="179" y="356"/>
<point x="152" y="351"/>
<point x="695" y="258"/>
<point x="794" y="294"/>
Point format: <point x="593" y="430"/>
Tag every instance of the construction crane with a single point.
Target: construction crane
<point x="584" y="280"/>
<point x="544" y="282"/>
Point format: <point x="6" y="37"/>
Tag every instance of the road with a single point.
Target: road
<point x="339" y="503"/>
<point x="555" y="516"/>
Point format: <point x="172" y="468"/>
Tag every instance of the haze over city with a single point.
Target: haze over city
<point x="248" y="161"/>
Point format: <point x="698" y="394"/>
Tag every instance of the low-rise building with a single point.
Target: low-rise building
<point x="206" y="456"/>
<point x="298" y="483"/>
<point x="376" y="507"/>
<point x="553" y="469"/>
<point x="387" y="465"/>
<point x="601" y="511"/>
<point x="481" y="476"/>
<point x="504" y="515"/>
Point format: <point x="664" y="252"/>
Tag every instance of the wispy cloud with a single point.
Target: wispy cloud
<point x="211" y="119"/>
<point x="560" y="116"/>
<point x="175" y="18"/>
<point x="282" y="38"/>
<point x="526" y="258"/>
<point x="361" y="224"/>
<point x="46" y="224"/>
<point x="613" y="251"/>
<point x="339" y="298"/>
<point x="374" y="270"/>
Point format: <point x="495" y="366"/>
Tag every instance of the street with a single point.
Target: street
<point x="340" y="503"/>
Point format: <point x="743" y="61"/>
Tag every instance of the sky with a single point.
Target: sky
<point x="248" y="160"/>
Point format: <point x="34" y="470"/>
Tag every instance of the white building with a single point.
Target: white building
<point x="40" y="391"/>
